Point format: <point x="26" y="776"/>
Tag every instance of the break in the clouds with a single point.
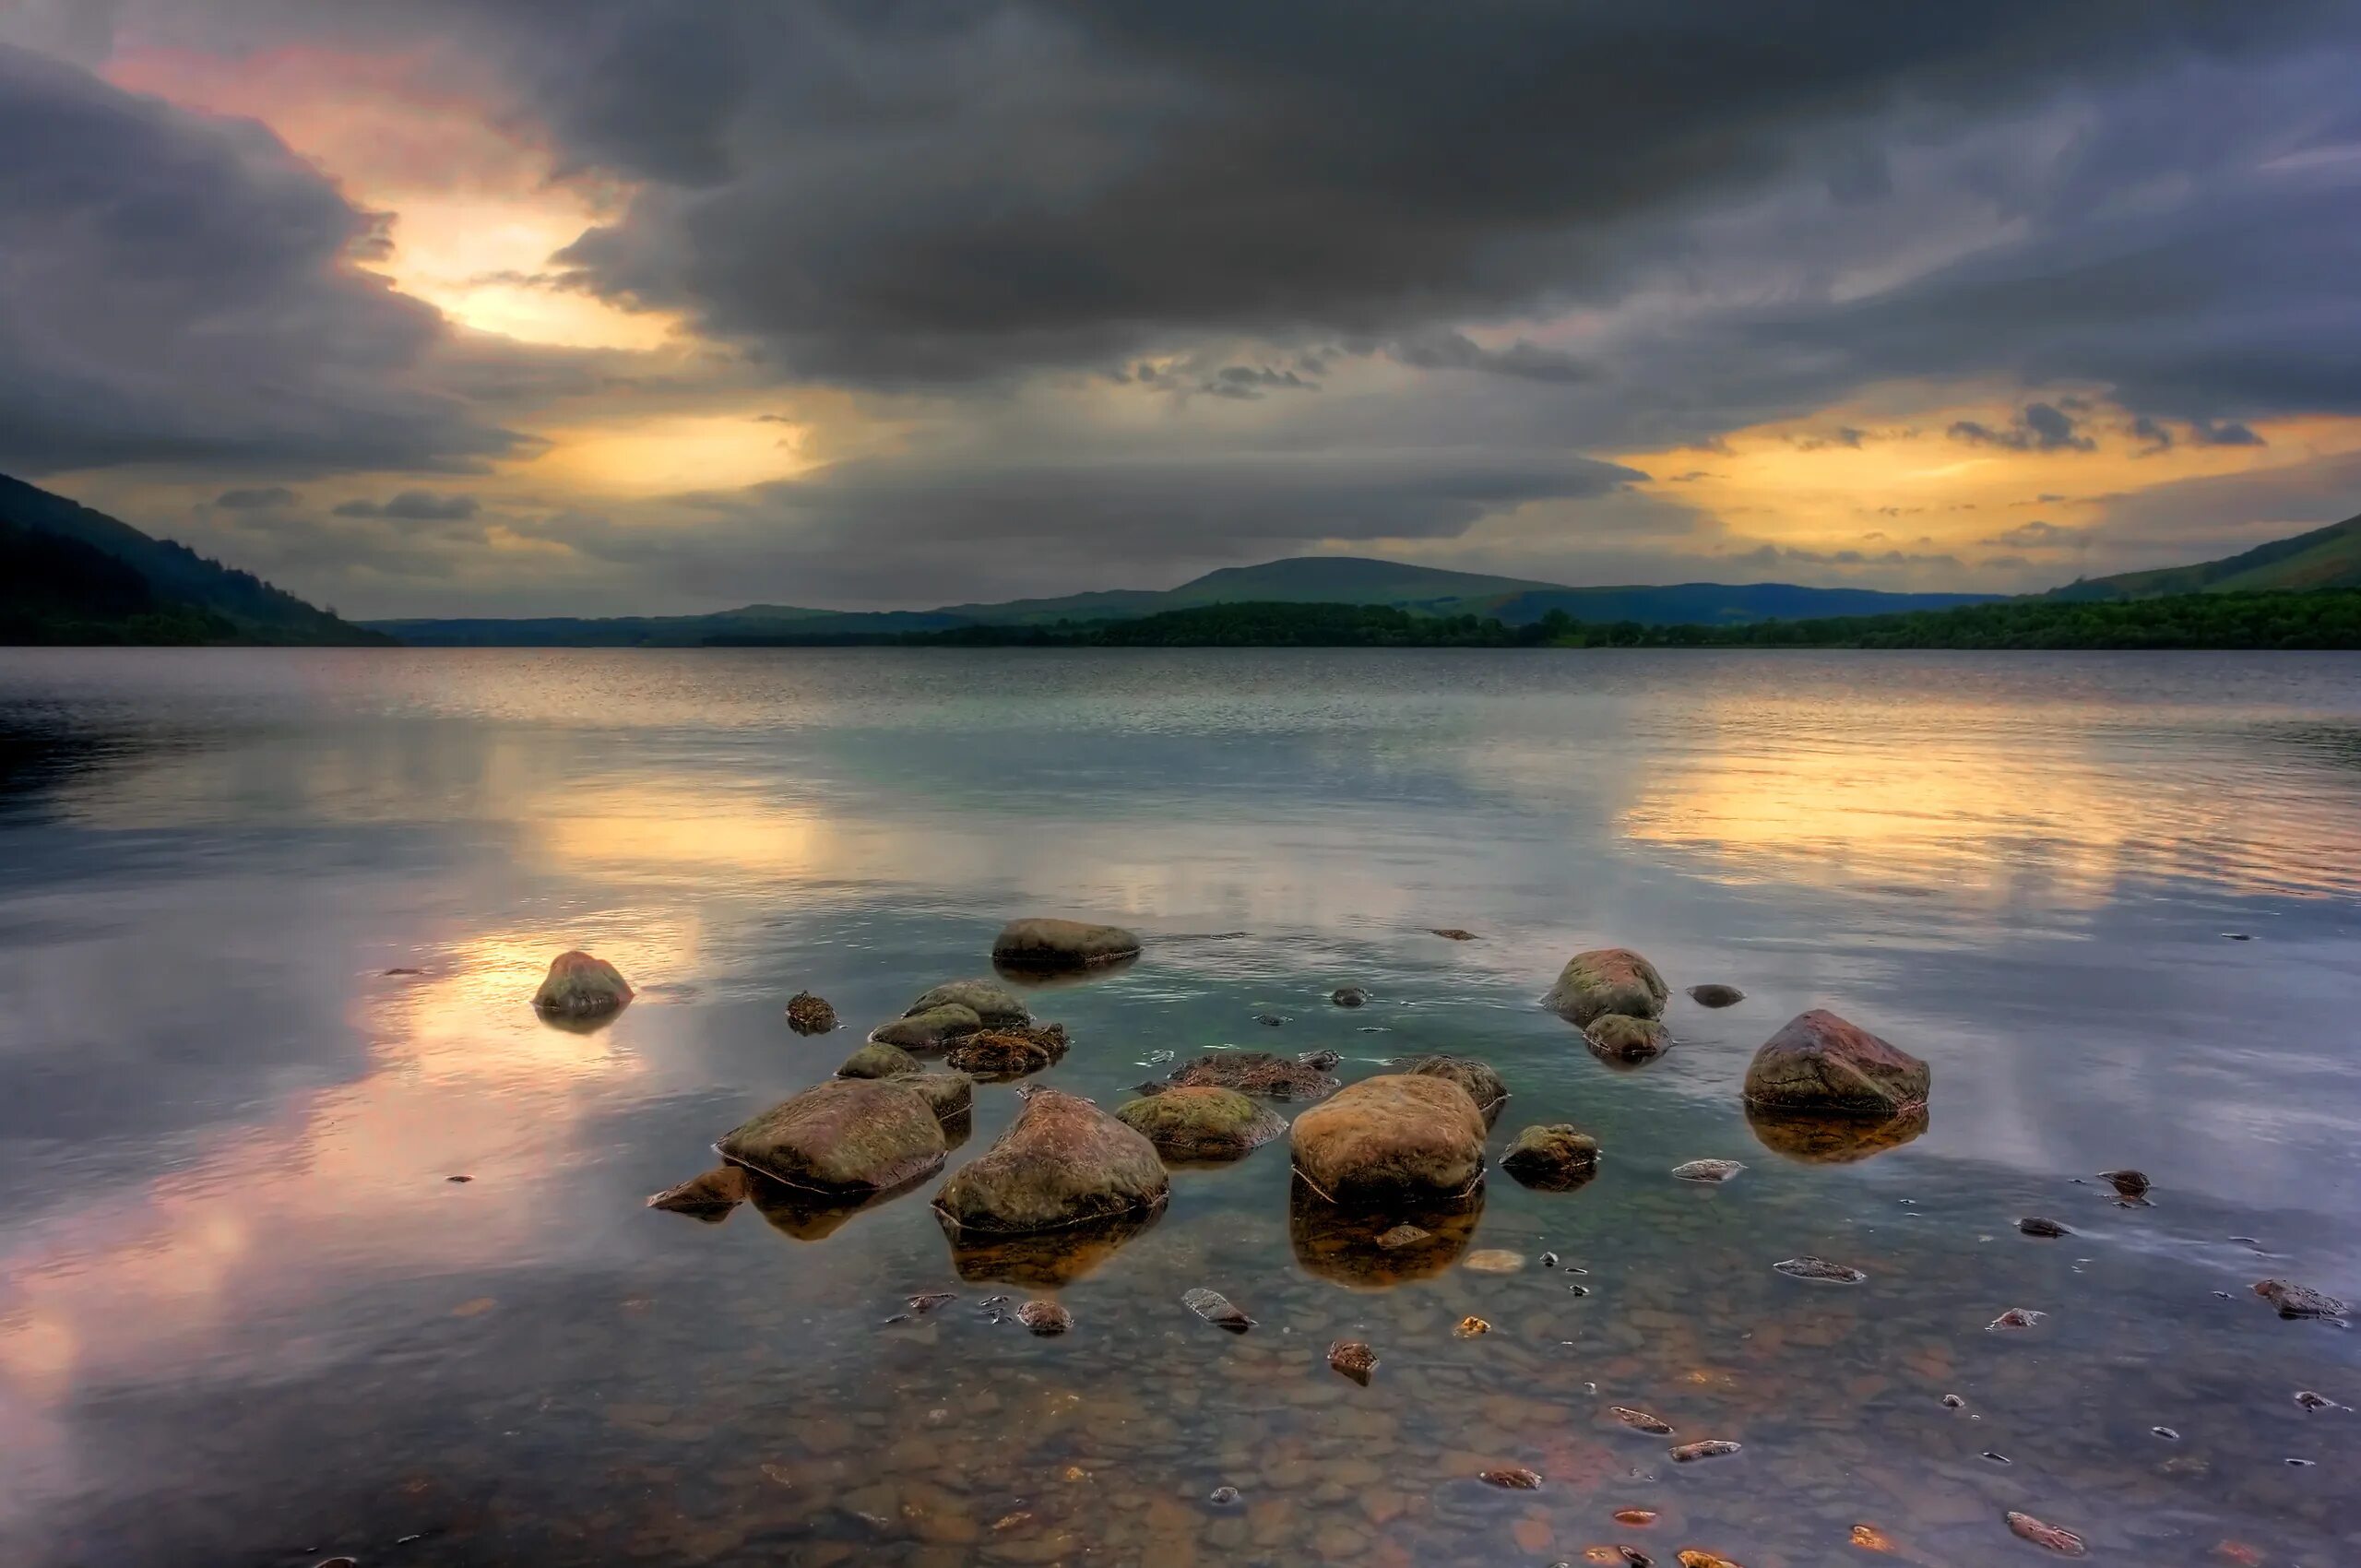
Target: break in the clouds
<point x="899" y="297"/>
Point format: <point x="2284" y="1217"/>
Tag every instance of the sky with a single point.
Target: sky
<point x="466" y="307"/>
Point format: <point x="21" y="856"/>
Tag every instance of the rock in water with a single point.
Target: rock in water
<point x="1715" y="996"/>
<point x="2127" y="1183"/>
<point x="1707" y="1170"/>
<point x="1061" y="1162"/>
<point x="1604" y="980"/>
<point x="847" y="1135"/>
<point x="1472" y="1325"/>
<point x="810" y="1015"/>
<point x="1453" y="933"/>
<point x="1820" y="1063"/>
<point x="997" y="1055"/>
<point x="1482" y="1084"/>
<point x="1402" y="1236"/>
<point x="1348" y="996"/>
<point x="1697" y="1557"/>
<point x="1553" y="1158"/>
<point x="2065" y="1542"/>
<point x="1354" y="1360"/>
<point x="2298" y="1300"/>
<point x="1618" y="1037"/>
<point x="1061" y="945"/>
<point x="878" y="1060"/>
<point x="949" y="1094"/>
<point x="932" y="1030"/>
<point x="987" y="1000"/>
<point x="2034" y="1225"/>
<point x="1511" y="1478"/>
<point x="710" y="1198"/>
<point x="1045" y="1318"/>
<point x="1195" y="1122"/>
<point x="1320" y="1061"/>
<point x="1639" y="1420"/>
<point x="1399" y="1136"/>
<point x="1216" y="1309"/>
<point x="1255" y="1072"/>
<point x="1819" y="1269"/>
<point x="1494" y="1260"/>
<point x="1711" y="1448"/>
<point x="2016" y="1317"/>
<point x="579" y="986"/>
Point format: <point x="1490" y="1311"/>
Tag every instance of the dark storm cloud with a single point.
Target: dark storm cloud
<point x="255" y="499"/>
<point x="414" y="506"/>
<point x="177" y="288"/>
<point x="2042" y="427"/>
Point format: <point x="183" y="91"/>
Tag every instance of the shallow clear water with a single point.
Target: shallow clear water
<point x="245" y="1318"/>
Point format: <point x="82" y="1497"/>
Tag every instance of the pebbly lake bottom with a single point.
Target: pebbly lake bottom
<point x="249" y="1318"/>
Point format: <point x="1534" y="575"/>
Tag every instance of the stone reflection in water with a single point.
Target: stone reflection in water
<point x="1046" y="1259"/>
<point x="809" y="1215"/>
<point x="1370" y="1249"/>
<point x="1833" y="1140"/>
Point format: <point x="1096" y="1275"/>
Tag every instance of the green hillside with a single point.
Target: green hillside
<point x="2325" y="558"/>
<point x="77" y="575"/>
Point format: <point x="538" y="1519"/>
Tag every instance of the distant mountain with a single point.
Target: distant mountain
<point x="69" y="574"/>
<point x="2325" y="558"/>
<point x="1303" y="579"/>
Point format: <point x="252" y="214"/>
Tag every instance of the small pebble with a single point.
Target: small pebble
<point x="2167" y="1433"/>
<point x="2065" y="1542"/>
<point x="2016" y="1317"/>
<point x="2306" y="1399"/>
<point x="1548" y="1260"/>
<point x="2299" y="1464"/>
<point x="2239" y="935"/>
<point x="1269" y="1020"/>
<point x="1045" y="1318"/>
<point x="1953" y="1402"/>
<point x="1511" y="1478"/>
<point x="2034" y="1225"/>
<point x="1354" y="1360"/>
<point x="1471" y="1326"/>
<point x="1819" y="1269"/>
<point x="1707" y="1170"/>
<point x="1641" y="1420"/>
<point x="1223" y="1497"/>
<point x="1711" y="1448"/>
<point x="1578" y="1290"/>
<point x="2127" y="1184"/>
<point x="1997" y="1458"/>
<point x="1216" y="1309"/>
<point x="458" y="1178"/>
<point x="1348" y="996"/>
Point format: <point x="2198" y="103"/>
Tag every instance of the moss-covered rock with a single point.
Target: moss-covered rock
<point x="1061" y="1162"/>
<point x="1554" y="1158"/>
<point x="1715" y="996"/>
<point x="934" y="1029"/>
<point x="710" y="1198"/>
<point x="579" y="986"/>
<point x="810" y="1015"/>
<point x="878" y="1060"/>
<point x="994" y="1002"/>
<point x="1202" y="1123"/>
<point x="1608" y="980"/>
<point x="1259" y="1073"/>
<point x="845" y="1135"/>
<point x="1061" y="945"/>
<point x="950" y="1095"/>
<point x="1619" y="1036"/>
<point x="1819" y="1064"/>
<point x="1400" y="1138"/>
<point x="998" y="1055"/>
<point x="1482" y="1084"/>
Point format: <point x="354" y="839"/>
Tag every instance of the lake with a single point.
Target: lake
<point x="247" y="1317"/>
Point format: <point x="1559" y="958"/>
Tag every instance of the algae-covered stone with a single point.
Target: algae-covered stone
<point x="844" y="1135"/>
<point x="949" y="1094"/>
<point x="1260" y="1073"/>
<point x="1202" y="1122"/>
<point x="997" y="1055"/>
<point x="1819" y="1063"/>
<point x="989" y="999"/>
<point x="1482" y="1084"/>
<point x="1715" y="996"/>
<point x="1397" y="1137"/>
<point x="932" y="1030"/>
<point x="1552" y="1159"/>
<point x="579" y="986"/>
<point x="878" y="1060"/>
<point x="1061" y="945"/>
<point x="710" y="1198"/>
<point x="1063" y="1161"/>
<point x="1619" y="1036"/>
<point x="1608" y="980"/>
<point x="810" y="1015"/>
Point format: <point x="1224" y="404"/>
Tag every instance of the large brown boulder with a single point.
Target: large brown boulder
<point x="949" y="1094"/>
<point x="934" y="1029"/>
<point x="1202" y="1122"/>
<point x="1604" y="980"/>
<point x="847" y="1135"/>
<point x="1482" y="1084"/>
<point x="1061" y="945"/>
<point x="1061" y="1162"/>
<point x="878" y="1060"/>
<point x="1401" y="1137"/>
<point x="987" y="1000"/>
<point x="579" y="986"/>
<point x="1819" y="1064"/>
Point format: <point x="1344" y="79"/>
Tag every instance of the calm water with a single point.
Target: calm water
<point x="244" y="1318"/>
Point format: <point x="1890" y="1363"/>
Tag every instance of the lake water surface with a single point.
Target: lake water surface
<point x="247" y="1318"/>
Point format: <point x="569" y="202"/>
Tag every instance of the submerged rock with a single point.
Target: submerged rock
<point x="810" y="1015"/>
<point x="949" y="1094"/>
<point x="1494" y="1260"/>
<point x="1453" y="933"/>
<point x="1471" y="1326"/>
<point x="2298" y="1300"/>
<point x="1348" y="996"/>
<point x="710" y="1198"/>
<point x="1715" y="996"/>
<point x="1398" y="1137"/>
<point x="879" y="1060"/>
<point x="1217" y="1309"/>
<point x="987" y="1000"/>
<point x="1710" y="1448"/>
<point x="1713" y="1171"/>
<point x="1269" y="1020"/>
<point x="1254" y="1072"/>
<point x="1061" y="945"/>
<point x="1604" y="980"/>
<point x="2034" y="1225"/>
<point x="1199" y="1122"/>
<point x="1482" y="1084"/>
<point x="934" y="1029"/>
<point x="1641" y="1420"/>
<point x="1045" y="1318"/>
<point x="1061" y="1162"/>
<point x="1511" y="1478"/>
<point x="997" y="1055"/>
<point x="579" y="986"/>
<point x="2064" y="1542"/>
<point x="1045" y="1260"/>
<point x="1821" y="1063"/>
<point x="2127" y="1183"/>
<point x="1811" y="1138"/>
<point x="1555" y="1159"/>
<point x="847" y="1135"/>
<point x="1819" y="1269"/>
<point x="1619" y="1036"/>
<point x="2016" y="1317"/>
<point x="1354" y="1360"/>
<point x="1366" y="1251"/>
<point x="1402" y="1236"/>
